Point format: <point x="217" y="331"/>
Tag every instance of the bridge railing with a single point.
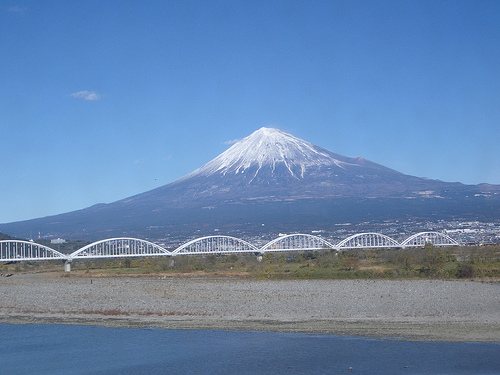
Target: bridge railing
<point x="368" y="241"/>
<point x="297" y="242"/>
<point x="119" y="248"/>
<point x="434" y="238"/>
<point x="16" y="250"/>
<point x="215" y="245"/>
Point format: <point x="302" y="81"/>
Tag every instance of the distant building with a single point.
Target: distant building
<point x="57" y="241"/>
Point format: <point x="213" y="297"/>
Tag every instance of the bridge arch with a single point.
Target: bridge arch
<point x="119" y="248"/>
<point x="215" y="245"/>
<point x="434" y="238"/>
<point x="297" y="242"/>
<point x="368" y="241"/>
<point x="16" y="250"/>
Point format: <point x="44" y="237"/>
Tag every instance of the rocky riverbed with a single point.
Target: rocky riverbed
<point x="416" y="310"/>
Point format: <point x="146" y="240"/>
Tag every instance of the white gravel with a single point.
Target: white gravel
<point x="280" y="300"/>
<point x="415" y="301"/>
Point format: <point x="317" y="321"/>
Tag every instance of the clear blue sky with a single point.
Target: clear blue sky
<point x="101" y="100"/>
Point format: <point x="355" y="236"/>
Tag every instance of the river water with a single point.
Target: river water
<point x="66" y="349"/>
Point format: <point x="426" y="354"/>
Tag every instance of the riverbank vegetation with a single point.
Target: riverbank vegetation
<point x="429" y="262"/>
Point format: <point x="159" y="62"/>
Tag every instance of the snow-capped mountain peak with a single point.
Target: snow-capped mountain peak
<point x="271" y="150"/>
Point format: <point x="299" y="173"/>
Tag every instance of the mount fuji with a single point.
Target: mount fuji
<point x="274" y="179"/>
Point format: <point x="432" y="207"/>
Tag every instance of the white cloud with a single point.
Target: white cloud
<point x="232" y="141"/>
<point x="86" y="95"/>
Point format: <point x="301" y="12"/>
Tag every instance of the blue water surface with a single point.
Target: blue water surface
<point x="66" y="349"/>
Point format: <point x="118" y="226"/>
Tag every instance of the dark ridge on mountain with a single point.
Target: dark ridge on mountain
<point x="281" y="181"/>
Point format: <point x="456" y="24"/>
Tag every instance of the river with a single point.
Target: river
<point x="67" y="349"/>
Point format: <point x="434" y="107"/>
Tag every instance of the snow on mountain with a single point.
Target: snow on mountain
<point x="272" y="152"/>
<point x="271" y="164"/>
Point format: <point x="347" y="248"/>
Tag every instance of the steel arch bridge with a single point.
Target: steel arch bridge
<point x="297" y="242"/>
<point x="16" y="250"/>
<point x="215" y="245"/>
<point x="367" y="241"/>
<point x="119" y="248"/>
<point x="434" y="238"/>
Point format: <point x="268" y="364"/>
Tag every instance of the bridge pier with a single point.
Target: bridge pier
<point x="67" y="265"/>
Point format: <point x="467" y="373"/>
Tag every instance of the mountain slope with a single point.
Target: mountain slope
<point x="273" y="165"/>
<point x="274" y="178"/>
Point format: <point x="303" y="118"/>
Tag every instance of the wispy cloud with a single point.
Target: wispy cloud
<point x="232" y="141"/>
<point x="17" y="9"/>
<point x="86" y="95"/>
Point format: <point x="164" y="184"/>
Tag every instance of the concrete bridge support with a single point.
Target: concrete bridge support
<point x="67" y="265"/>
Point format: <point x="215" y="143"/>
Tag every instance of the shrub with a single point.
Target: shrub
<point x="466" y="270"/>
<point x="432" y="261"/>
<point x="405" y="260"/>
<point x="350" y="263"/>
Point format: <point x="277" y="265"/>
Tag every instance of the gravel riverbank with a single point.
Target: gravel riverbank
<point x="416" y="310"/>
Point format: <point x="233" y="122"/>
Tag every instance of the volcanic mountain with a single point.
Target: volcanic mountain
<point x="273" y="178"/>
